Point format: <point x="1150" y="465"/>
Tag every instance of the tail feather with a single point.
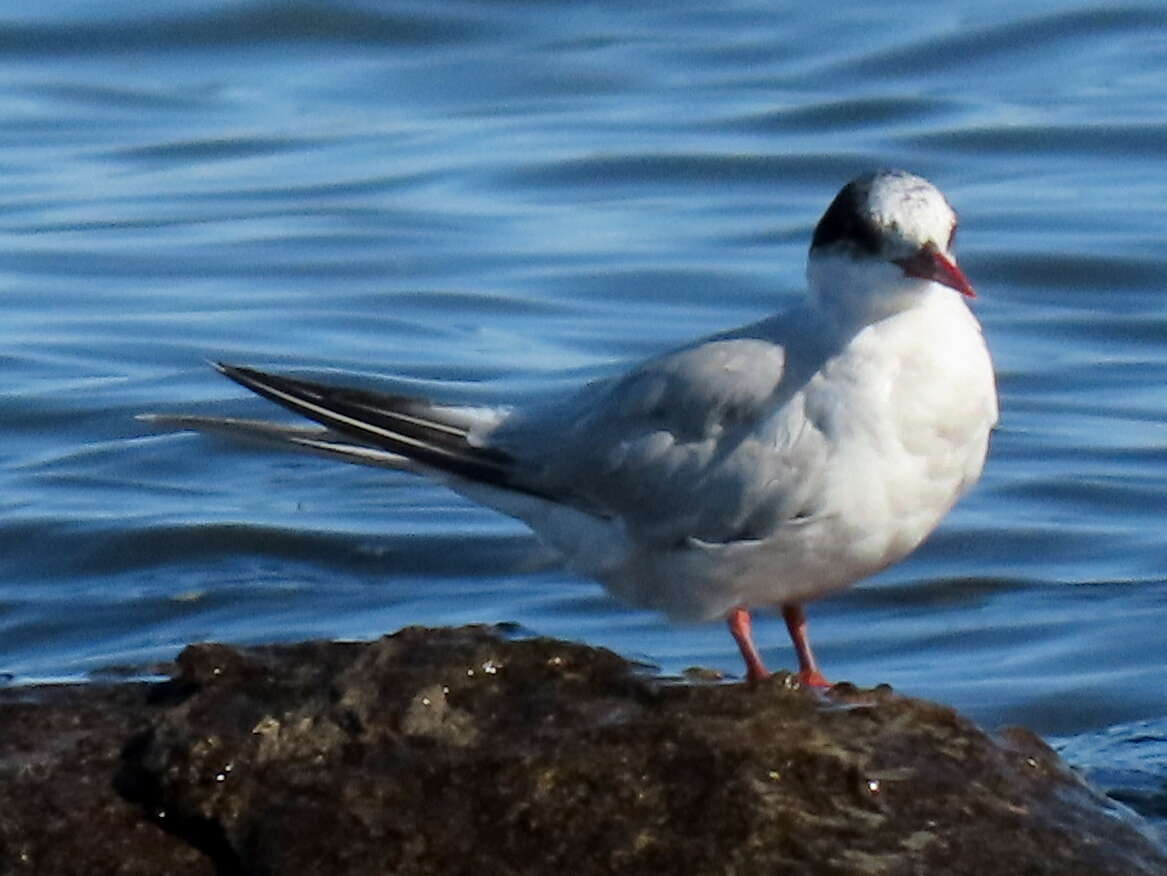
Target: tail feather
<point x="432" y="436"/>
<point x="315" y="439"/>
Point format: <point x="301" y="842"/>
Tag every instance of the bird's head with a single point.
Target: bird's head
<point x="887" y="235"/>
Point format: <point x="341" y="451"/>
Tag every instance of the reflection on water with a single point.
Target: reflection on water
<point x="493" y="201"/>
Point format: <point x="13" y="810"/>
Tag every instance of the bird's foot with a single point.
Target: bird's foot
<point x="812" y="678"/>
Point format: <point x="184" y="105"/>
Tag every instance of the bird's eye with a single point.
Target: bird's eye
<point x="952" y="237"/>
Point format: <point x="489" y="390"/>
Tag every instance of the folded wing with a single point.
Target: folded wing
<point x="696" y="444"/>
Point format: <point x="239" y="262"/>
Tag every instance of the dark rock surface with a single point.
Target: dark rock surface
<point x="60" y="749"/>
<point x="456" y="751"/>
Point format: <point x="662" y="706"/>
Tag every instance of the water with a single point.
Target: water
<point x="484" y="200"/>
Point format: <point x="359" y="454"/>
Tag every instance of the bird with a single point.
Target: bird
<point x="755" y="469"/>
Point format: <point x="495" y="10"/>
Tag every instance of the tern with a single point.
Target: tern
<point x="758" y="468"/>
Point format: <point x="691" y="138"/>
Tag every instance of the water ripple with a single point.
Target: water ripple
<point x="1025" y="43"/>
<point x="249" y="24"/>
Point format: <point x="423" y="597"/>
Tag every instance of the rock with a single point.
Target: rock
<point x="60" y="749"/>
<point x="457" y="751"/>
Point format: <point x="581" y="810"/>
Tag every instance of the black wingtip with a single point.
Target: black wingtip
<point x="245" y="377"/>
<point x="225" y="368"/>
<point x="407" y="427"/>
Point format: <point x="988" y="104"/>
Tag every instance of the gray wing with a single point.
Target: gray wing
<point x="710" y="442"/>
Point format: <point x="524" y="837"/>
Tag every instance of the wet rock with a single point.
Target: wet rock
<point x="457" y="751"/>
<point x="60" y="748"/>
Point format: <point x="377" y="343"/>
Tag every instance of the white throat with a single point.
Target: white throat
<point x="854" y="292"/>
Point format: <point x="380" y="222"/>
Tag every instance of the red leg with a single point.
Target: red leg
<point x="808" y="669"/>
<point x="739" y="626"/>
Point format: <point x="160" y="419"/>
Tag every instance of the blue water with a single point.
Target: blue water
<point x="487" y="199"/>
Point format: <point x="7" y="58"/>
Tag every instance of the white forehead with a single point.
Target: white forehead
<point x="910" y="205"/>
